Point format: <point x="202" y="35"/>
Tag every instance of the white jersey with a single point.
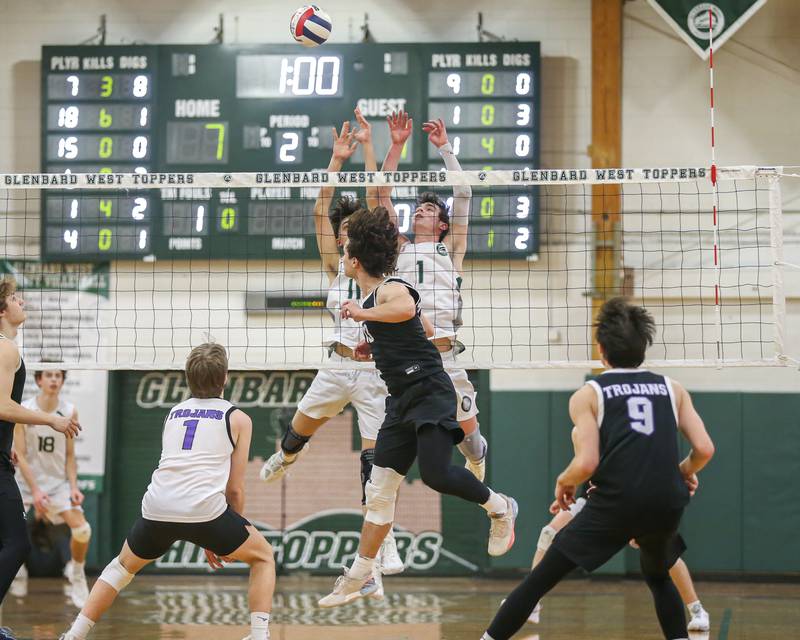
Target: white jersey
<point x="429" y="267"/>
<point x="47" y="452"/>
<point x="189" y="484"/>
<point x="348" y="331"/>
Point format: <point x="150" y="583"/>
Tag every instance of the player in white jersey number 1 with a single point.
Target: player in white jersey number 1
<point x="434" y="263"/>
<point x="196" y="495"/>
<point x="333" y="389"/>
<point x="47" y="476"/>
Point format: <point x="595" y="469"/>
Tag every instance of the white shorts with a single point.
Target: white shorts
<point x="576" y="507"/>
<point x="59" y="503"/>
<point x="467" y="405"/>
<point x="332" y="390"/>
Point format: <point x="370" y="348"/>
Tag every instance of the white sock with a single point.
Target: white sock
<point x="81" y="627"/>
<point x="361" y="567"/>
<point x="259" y="625"/>
<point x="486" y="636"/>
<point x="693" y="605"/>
<point x="78" y="567"/>
<point x="496" y="504"/>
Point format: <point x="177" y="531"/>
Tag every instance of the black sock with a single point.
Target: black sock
<point x="520" y="603"/>
<point x="367" y="456"/>
<point x="292" y="441"/>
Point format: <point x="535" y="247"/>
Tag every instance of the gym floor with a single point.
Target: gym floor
<point x="206" y="608"/>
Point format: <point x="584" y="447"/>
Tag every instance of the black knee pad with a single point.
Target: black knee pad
<point x="367" y="456"/>
<point x="293" y="442"/>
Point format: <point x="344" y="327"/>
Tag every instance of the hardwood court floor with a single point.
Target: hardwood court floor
<point x="215" y="608"/>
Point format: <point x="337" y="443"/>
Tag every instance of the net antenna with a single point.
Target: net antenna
<point x="99" y="38"/>
<point x="219" y="31"/>
<point x="366" y="34"/>
<point x="487" y="36"/>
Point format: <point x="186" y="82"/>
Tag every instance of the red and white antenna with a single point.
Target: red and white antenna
<point x="714" y="187"/>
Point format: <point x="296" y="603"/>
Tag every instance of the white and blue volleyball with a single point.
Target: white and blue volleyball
<point x="310" y="26"/>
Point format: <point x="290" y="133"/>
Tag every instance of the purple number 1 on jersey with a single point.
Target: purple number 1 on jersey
<point x="188" y="439"/>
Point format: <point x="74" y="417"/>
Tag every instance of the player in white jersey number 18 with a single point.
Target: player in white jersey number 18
<point x="195" y="495"/>
<point x="434" y="262"/>
<point x="47" y="476"/>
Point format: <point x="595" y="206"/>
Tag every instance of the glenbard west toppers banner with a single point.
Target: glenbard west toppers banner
<point x="690" y="19"/>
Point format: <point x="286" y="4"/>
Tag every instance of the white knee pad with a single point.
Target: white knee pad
<point x="546" y="538"/>
<point x="82" y="533"/>
<point x="116" y="576"/>
<point x="381" y="492"/>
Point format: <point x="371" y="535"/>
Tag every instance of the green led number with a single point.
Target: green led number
<point x="487" y="142"/>
<point x="106" y="147"/>
<point x="104" y="119"/>
<point x="404" y="152"/>
<point x="487" y="207"/>
<point x="104" y="240"/>
<point x="220" y="129"/>
<point x="106" y="207"/>
<point x="490" y="239"/>
<point x="106" y="86"/>
<point x="487" y="84"/>
<point x="228" y="219"/>
<point x="487" y="115"/>
<point x="105" y="170"/>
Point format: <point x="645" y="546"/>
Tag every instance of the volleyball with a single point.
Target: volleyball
<point x="310" y="26"/>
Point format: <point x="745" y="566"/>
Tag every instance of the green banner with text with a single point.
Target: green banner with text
<point x="696" y="22"/>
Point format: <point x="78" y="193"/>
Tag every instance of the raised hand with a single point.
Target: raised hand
<point x="437" y="133"/>
<point x="344" y="144"/>
<point x="363" y="134"/>
<point x="400" y="127"/>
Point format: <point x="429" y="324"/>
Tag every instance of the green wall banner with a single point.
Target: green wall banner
<point x="690" y="19"/>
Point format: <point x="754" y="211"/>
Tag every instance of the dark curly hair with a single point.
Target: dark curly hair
<point x="341" y="211"/>
<point x="372" y="239"/>
<point x="444" y="210"/>
<point x="624" y="331"/>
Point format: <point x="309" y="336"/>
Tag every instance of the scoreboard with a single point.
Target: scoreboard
<point x="256" y="108"/>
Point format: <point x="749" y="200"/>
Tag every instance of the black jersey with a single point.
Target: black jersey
<point x="638" y="441"/>
<point x="402" y="352"/>
<point x="7" y="428"/>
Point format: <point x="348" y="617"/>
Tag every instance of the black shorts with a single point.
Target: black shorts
<point x="151" y="539"/>
<point x="429" y="401"/>
<point x="599" y="531"/>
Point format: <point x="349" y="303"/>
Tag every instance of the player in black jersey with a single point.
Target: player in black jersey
<point x="626" y="423"/>
<point x="420" y="418"/>
<point x="14" y="543"/>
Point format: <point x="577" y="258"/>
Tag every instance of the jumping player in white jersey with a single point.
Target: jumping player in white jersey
<point x="196" y="494"/>
<point x="47" y="475"/>
<point x="333" y="389"/>
<point x="434" y="263"/>
<point x="420" y="421"/>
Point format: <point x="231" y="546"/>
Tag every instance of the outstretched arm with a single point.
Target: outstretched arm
<point x="364" y="137"/>
<point x="343" y="147"/>
<point x="456" y="240"/>
<point x="400" y="128"/>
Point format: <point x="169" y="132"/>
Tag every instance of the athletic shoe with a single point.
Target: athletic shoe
<point x="534" y="617"/>
<point x="501" y="532"/>
<point x="700" y="620"/>
<point x="391" y="562"/>
<point x="5" y="634"/>
<point x="80" y="590"/>
<point x="378" y="594"/>
<point x="275" y="468"/>
<point x="347" y="589"/>
<point x="478" y="469"/>
<point x="19" y="587"/>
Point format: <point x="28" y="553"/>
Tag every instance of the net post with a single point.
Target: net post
<point x="776" y="242"/>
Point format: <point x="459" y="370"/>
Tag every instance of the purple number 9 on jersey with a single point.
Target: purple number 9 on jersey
<point x="188" y="439"/>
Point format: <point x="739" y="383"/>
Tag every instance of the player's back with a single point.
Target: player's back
<point x="639" y="459"/>
<point x="189" y="483"/>
<point x="429" y="267"/>
<point x="46" y="451"/>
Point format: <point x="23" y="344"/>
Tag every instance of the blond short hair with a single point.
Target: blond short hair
<point x="207" y="370"/>
<point x="8" y="286"/>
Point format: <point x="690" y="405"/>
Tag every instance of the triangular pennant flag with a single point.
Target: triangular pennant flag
<point x="690" y="19"/>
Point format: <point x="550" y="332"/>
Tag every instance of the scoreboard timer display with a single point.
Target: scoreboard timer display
<point x="270" y="108"/>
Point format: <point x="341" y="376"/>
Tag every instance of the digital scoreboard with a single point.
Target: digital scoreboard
<point x="264" y="108"/>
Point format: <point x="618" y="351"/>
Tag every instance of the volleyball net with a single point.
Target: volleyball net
<point x="130" y="271"/>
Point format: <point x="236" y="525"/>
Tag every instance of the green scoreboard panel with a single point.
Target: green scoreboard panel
<point x="256" y="108"/>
